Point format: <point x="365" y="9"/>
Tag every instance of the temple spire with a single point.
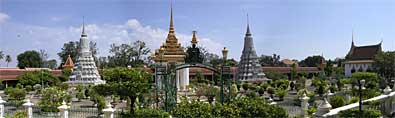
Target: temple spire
<point x="171" y="29"/>
<point x="194" y="38"/>
<point x="248" y="33"/>
<point x="352" y="38"/>
<point x="83" y="34"/>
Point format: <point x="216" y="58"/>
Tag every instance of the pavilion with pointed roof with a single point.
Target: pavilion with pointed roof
<point x="68" y="65"/>
<point x="360" y="58"/>
<point x="171" y="52"/>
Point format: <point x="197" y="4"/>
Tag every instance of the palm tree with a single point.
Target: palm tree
<point x="8" y="59"/>
<point x="1" y="55"/>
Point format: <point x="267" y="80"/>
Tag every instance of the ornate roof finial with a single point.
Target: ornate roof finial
<point x="194" y="38"/>
<point x="248" y="26"/>
<point x="171" y="29"/>
<point x="83" y="34"/>
<point x="352" y="38"/>
<point x="381" y="37"/>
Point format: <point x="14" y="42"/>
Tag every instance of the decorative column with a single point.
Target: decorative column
<point x="324" y="108"/>
<point x="178" y="80"/>
<point x="29" y="105"/>
<point x="64" y="110"/>
<point x="186" y="74"/>
<point x="387" y="101"/>
<point x="2" y="107"/>
<point x="304" y="105"/>
<point x="109" y="111"/>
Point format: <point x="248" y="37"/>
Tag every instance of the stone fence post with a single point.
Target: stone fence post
<point x="2" y="107"/>
<point x="305" y="105"/>
<point x="109" y="111"/>
<point x="64" y="110"/>
<point x="324" y="108"/>
<point x="29" y="105"/>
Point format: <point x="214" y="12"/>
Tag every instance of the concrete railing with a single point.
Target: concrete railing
<point x="385" y="99"/>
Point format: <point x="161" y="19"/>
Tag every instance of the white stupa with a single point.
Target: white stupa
<point x="85" y="71"/>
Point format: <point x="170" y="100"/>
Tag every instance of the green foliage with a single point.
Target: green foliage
<point x="37" y="77"/>
<point x="337" y="101"/>
<point x="20" y="114"/>
<point x="261" y="91"/>
<point x="124" y="55"/>
<point x="257" y="107"/>
<point x="383" y="64"/>
<point x="80" y="95"/>
<point x="124" y="82"/>
<point x="245" y="86"/>
<point x="240" y="107"/>
<point x="282" y="93"/>
<point x="226" y="111"/>
<point x="210" y="92"/>
<point x="275" y="75"/>
<point x="300" y="83"/>
<point x="200" y="77"/>
<point x="264" y="86"/>
<point x="311" y="61"/>
<point x="52" y="97"/>
<point x="69" y="48"/>
<point x="311" y="110"/>
<point x="354" y="100"/>
<point x="234" y="91"/>
<point x="282" y="83"/>
<point x="271" y="91"/>
<point x="29" y="88"/>
<point x="146" y="113"/>
<point x="30" y="59"/>
<point x="15" y="93"/>
<point x="366" y="113"/>
<point x="194" y="109"/>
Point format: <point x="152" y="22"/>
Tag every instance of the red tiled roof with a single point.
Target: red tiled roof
<point x="13" y="73"/>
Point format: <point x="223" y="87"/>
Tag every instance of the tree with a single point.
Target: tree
<point x="273" y="60"/>
<point x="257" y="107"/>
<point x="53" y="97"/>
<point x="1" y="55"/>
<point x="38" y="77"/>
<point x="275" y="75"/>
<point x="311" y="61"/>
<point x="124" y="82"/>
<point x="384" y="64"/>
<point x="44" y="58"/>
<point x="8" y="59"/>
<point x="52" y="64"/>
<point x="69" y="48"/>
<point x="29" y="59"/>
<point x="141" y="50"/>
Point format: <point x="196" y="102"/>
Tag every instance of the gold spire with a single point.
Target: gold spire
<point x="194" y="39"/>
<point x="171" y="29"/>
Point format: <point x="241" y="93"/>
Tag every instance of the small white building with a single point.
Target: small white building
<point x="360" y="58"/>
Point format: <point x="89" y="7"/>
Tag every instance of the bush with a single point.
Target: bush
<point x="354" y="100"/>
<point x="264" y="86"/>
<point x="337" y="101"/>
<point x="257" y="107"/>
<point x="311" y="110"/>
<point x="194" y="109"/>
<point x="245" y="86"/>
<point x="366" y="113"/>
<point x="281" y="93"/>
<point x="16" y="94"/>
<point x="20" y="114"/>
<point x="226" y="111"/>
<point x="29" y="88"/>
<point x="51" y="98"/>
<point x="261" y="91"/>
<point x="271" y="91"/>
<point x="147" y="113"/>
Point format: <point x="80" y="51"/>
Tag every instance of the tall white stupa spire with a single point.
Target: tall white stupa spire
<point x="85" y="71"/>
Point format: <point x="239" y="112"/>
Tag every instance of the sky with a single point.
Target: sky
<point x="293" y="29"/>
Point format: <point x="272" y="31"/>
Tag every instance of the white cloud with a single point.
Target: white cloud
<point x="3" y="17"/>
<point x="28" y="37"/>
